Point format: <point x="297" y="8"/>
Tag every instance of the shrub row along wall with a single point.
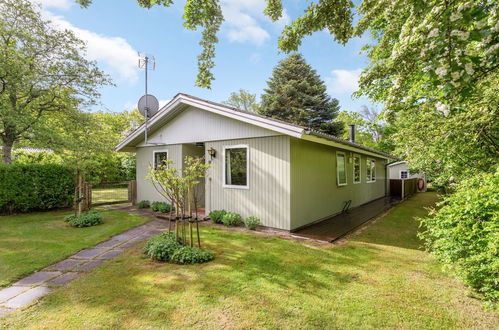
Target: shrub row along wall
<point x="34" y="187"/>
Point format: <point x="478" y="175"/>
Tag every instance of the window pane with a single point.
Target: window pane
<point x="368" y="170"/>
<point x="356" y="169"/>
<point x="159" y="157"/>
<point x="403" y="174"/>
<point x="373" y="171"/>
<point x="340" y="163"/>
<point x="236" y="167"/>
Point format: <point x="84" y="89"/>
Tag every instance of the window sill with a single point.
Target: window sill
<point x="236" y="187"/>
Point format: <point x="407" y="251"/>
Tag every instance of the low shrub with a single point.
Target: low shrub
<point x="231" y="219"/>
<point x="88" y="219"/>
<point x="143" y="204"/>
<point x="463" y="233"/>
<point x="161" y="247"/>
<point x="161" y="207"/>
<point x="217" y="215"/>
<point x="35" y="187"/>
<point x="251" y="222"/>
<point x="191" y="255"/>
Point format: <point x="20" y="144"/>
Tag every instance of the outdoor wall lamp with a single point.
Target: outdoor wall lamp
<point x="212" y="152"/>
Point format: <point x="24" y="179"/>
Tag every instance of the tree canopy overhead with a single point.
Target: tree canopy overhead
<point x="296" y="94"/>
<point x="42" y="71"/>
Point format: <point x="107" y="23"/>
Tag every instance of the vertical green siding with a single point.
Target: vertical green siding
<point x="145" y="189"/>
<point x="194" y="151"/>
<point x="268" y="194"/>
<point x="314" y="192"/>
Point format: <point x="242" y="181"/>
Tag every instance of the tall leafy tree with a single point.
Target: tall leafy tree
<point x="42" y="71"/>
<point x="297" y="94"/>
<point x="243" y="100"/>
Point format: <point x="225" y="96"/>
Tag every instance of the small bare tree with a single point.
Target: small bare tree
<point x="178" y="187"/>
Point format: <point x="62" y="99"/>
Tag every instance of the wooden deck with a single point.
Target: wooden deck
<point x="339" y="225"/>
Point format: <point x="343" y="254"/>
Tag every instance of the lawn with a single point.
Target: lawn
<point x="110" y="194"/>
<point x="29" y="242"/>
<point x="379" y="279"/>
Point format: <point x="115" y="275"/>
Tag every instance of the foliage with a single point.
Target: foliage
<point x="43" y="72"/>
<point x="217" y="215"/>
<point x="161" y="247"/>
<point x="464" y="233"/>
<point x="87" y="219"/>
<point x="191" y="255"/>
<point x="143" y="204"/>
<point x="370" y="129"/>
<point x="252" y="222"/>
<point x="20" y="156"/>
<point x="296" y="94"/>
<point x="231" y="219"/>
<point x="243" y="100"/>
<point x="178" y="187"/>
<point x="161" y="207"/>
<point x="31" y="187"/>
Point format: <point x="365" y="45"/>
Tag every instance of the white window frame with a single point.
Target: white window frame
<point x="337" y="169"/>
<point x="368" y="163"/>
<point x="353" y="168"/>
<point x="157" y="151"/>
<point x="400" y="174"/>
<point x="237" y="146"/>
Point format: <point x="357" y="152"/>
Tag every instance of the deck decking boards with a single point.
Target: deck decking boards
<point x="339" y="225"/>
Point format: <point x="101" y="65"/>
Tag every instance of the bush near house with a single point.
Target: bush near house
<point x="252" y="222"/>
<point x="161" y="207"/>
<point x="165" y="247"/>
<point x="87" y="219"/>
<point x="231" y="219"/>
<point x="463" y="233"/>
<point x="217" y="215"/>
<point x="143" y="204"/>
<point x="35" y="187"/>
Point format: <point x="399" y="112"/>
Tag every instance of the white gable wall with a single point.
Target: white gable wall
<point x="195" y="125"/>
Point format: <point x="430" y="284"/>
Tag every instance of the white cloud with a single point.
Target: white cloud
<point x="57" y="4"/>
<point x="162" y="103"/>
<point x="343" y="81"/>
<point x="244" y="19"/>
<point x="115" y="54"/>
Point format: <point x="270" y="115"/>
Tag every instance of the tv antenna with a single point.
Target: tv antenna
<point x="148" y="104"/>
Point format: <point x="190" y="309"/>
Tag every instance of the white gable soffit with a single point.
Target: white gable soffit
<point x="181" y="101"/>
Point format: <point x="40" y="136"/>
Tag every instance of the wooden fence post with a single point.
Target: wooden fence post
<point x="132" y="192"/>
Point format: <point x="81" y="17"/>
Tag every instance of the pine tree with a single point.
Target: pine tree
<point x="296" y="94"/>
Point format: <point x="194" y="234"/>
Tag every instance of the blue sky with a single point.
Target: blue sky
<point x="247" y="51"/>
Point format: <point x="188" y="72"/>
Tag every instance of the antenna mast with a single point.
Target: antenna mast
<point x="148" y="104"/>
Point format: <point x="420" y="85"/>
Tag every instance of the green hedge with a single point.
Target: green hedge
<point x="464" y="233"/>
<point x="34" y="187"/>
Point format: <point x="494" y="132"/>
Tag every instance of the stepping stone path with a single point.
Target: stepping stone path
<point x="27" y="290"/>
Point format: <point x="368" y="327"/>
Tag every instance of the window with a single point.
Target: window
<point x="236" y="167"/>
<point x="356" y="169"/>
<point x="404" y="174"/>
<point x="371" y="170"/>
<point x="159" y="156"/>
<point x="341" y="169"/>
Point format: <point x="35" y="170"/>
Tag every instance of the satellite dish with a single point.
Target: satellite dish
<point x="152" y="105"/>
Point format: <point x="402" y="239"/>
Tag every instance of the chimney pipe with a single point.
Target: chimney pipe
<point x="352" y="133"/>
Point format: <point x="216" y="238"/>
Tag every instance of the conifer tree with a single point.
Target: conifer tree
<point x="296" y="94"/>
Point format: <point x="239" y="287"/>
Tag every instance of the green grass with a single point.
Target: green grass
<point x="380" y="279"/>
<point x="29" y="242"/>
<point x="104" y="195"/>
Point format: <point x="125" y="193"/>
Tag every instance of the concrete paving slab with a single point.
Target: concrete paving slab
<point x="11" y="292"/>
<point x="111" y="254"/>
<point x="36" y="278"/>
<point x="88" y="265"/>
<point x="5" y="311"/>
<point x="27" y="297"/>
<point x="124" y="237"/>
<point x="88" y="254"/>
<point x="64" y="265"/>
<point x="64" y="278"/>
<point x="108" y="244"/>
<point x="130" y="243"/>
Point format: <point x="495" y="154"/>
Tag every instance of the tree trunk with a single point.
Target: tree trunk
<point x="80" y="194"/>
<point x="7" y="150"/>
